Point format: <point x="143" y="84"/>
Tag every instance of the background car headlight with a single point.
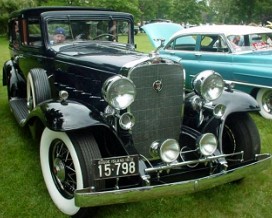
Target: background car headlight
<point x="209" y="85"/>
<point x="119" y="92"/>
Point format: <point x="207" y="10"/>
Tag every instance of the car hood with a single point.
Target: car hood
<point x="161" y="30"/>
<point x="103" y="57"/>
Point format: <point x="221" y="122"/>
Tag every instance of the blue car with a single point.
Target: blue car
<point x="241" y="54"/>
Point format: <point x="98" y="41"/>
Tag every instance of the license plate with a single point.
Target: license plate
<point x="116" y="167"/>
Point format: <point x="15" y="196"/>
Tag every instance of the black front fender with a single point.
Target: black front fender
<point x="65" y="116"/>
<point x="13" y="80"/>
<point x="237" y="101"/>
<point x="234" y="102"/>
<point x="6" y="68"/>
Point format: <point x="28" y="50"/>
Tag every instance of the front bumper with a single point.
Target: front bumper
<point x="86" y="198"/>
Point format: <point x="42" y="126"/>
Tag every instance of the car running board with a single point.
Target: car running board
<point x="19" y="108"/>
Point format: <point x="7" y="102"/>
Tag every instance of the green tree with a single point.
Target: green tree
<point x="148" y="10"/>
<point x="240" y="11"/>
<point x="155" y="9"/>
<point x="188" y="11"/>
<point x="130" y="6"/>
<point x="8" y="6"/>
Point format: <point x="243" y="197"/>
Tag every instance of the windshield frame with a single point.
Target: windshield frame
<point x="69" y="17"/>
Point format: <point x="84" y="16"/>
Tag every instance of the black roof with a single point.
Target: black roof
<point x="38" y="10"/>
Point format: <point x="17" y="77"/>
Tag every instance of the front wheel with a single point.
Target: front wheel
<point x="264" y="99"/>
<point x="66" y="162"/>
<point x="240" y="134"/>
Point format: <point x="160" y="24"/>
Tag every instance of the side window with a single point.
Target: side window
<point x="213" y="43"/>
<point x="183" y="43"/>
<point x="14" y="34"/>
<point x="34" y="34"/>
<point x="123" y="31"/>
<point x="206" y="41"/>
<point x="259" y="41"/>
<point x="30" y="32"/>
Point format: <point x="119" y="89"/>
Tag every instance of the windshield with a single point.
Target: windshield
<point x="255" y="41"/>
<point x="67" y="31"/>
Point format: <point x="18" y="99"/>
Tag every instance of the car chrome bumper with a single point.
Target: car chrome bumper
<point x="86" y="198"/>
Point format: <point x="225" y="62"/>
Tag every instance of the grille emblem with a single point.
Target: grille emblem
<point x="157" y="85"/>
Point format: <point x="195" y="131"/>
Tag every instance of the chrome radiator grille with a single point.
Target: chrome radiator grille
<point x="157" y="114"/>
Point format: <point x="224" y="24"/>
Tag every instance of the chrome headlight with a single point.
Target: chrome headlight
<point x="219" y="110"/>
<point x="126" y="121"/>
<point x="167" y="150"/>
<point x="119" y="92"/>
<point x="207" y="144"/>
<point x="209" y="85"/>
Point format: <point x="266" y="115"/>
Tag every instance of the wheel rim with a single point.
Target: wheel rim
<point x="267" y="101"/>
<point x="62" y="168"/>
<point x="229" y="142"/>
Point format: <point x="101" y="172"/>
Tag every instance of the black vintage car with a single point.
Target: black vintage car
<point x="116" y="125"/>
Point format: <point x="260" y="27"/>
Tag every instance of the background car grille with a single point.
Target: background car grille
<point x="158" y="115"/>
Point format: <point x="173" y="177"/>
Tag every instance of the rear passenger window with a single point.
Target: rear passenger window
<point x="213" y="43"/>
<point x="34" y="33"/>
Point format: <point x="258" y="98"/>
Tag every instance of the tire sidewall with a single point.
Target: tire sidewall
<point x="67" y="206"/>
<point x="245" y="135"/>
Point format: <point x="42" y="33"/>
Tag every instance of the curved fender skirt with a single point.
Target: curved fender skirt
<point x="86" y="198"/>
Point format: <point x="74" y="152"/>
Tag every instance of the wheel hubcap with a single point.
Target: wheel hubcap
<point x="59" y="169"/>
<point x="267" y="101"/>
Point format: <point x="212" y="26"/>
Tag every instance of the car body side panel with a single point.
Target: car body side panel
<point x="194" y="62"/>
<point x="241" y="70"/>
<point x="250" y="69"/>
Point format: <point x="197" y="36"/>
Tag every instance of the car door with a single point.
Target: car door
<point x="201" y="52"/>
<point x="32" y="50"/>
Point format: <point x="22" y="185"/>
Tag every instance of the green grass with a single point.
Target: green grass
<point x="23" y="192"/>
<point x="143" y="44"/>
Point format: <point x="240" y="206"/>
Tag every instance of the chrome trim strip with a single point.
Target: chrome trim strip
<point x="248" y="84"/>
<point x="243" y="83"/>
<point x="86" y="198"/>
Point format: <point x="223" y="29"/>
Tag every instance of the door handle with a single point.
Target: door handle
<point x="198" y="54"/>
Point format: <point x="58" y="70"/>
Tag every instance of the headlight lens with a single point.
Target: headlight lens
<point x="207" y="144"/>
<point x="126" y="121"/>
<point x="119" y="92"/>
<point x="219" y="110"/>
<point x="169" y="150"/>
<point x="209" y="85"/>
